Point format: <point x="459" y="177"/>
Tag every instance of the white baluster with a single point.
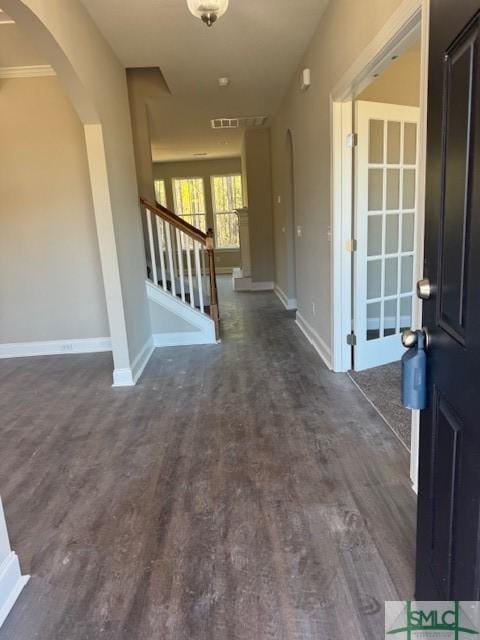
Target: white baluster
<point x="152" y="247"/>
<point x="199" y="274"/>
<point x="180" y="264"/>
<point x="189" y="271"/>
<point x="161" y="250"/>
<point x="170" y="259"/>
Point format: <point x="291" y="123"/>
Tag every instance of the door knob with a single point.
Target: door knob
<point x="424" y="289"/>
<point x="409" y="338"/>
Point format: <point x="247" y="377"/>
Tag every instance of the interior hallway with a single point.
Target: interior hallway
<point x="240" y="491"/>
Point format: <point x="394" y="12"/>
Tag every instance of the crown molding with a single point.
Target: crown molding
<point x="35" y="71"/>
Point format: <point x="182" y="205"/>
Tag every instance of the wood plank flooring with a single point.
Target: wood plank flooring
<point x="239" y="492"/>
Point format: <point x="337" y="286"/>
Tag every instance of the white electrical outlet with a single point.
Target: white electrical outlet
<point x="299" y="231"/>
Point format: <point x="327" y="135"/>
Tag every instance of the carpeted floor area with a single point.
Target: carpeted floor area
<point x="382" y="386"/>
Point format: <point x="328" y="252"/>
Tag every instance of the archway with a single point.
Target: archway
<point x="38" y="24"/>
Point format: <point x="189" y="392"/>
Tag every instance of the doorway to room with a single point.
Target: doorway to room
<point x="386" y="119"/>
<point x="378" y="129"/>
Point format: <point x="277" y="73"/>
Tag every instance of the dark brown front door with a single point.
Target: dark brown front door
<point x="448" y="545"/>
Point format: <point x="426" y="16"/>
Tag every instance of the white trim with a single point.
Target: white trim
<point x="141" y="360"/>
<point x="199" y="320"/>
<point x="180" y="338"/>
<point x="128" y="377"/>
<point x="393" y="37"/>
<point x="34" y="71"/>
<point x="11" y="584"/>
<point x="414" y="448"/>
<point x="262" y="286"/>
<point x="289" y="303"/>
<point x="420" y="226"/>
<point x="395" y="34"/>
<point x="315" y="340"/>
<point x="241" y="283"/>
<point x="54" y="347"/>
<point x="11" y="579"/>
<point x="123" y="378"/>
<point x="341" y="225"/>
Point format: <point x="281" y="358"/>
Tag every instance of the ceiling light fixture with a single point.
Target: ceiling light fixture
<point x="208" y="10"/>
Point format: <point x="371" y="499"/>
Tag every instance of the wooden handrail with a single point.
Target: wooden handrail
<point x="177" y="221"/>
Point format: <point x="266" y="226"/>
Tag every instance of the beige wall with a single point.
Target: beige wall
<point x="95" y="80"/>
<point x="399" y="83"/>
<point x="51" y="285"/>
<point x="225" y="259"/>
<point x="257" y="171"/>
<point x="145" y="86"/>
<point x="344" y="31"/>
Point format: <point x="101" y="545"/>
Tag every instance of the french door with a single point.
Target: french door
<point x="386" y="160"/>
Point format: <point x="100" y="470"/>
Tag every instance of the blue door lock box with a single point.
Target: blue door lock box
<point x="414" y="374"/>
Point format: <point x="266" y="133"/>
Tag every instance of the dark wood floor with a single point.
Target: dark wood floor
<point x="239" y="492"/>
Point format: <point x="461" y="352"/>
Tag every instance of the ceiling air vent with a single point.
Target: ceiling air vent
<point x="248" y="122"/>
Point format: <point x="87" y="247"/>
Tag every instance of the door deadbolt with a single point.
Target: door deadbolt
<point x="424" y="289"/>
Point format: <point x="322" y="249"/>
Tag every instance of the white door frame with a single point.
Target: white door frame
<point x="410" y="19"/>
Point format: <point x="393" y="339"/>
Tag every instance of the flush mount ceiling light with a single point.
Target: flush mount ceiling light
<point x="208" y="10"/>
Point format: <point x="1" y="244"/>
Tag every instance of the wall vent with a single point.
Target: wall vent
<point x="247" y="122"/>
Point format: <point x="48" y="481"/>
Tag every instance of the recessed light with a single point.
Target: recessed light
<point x="223" y="81"/>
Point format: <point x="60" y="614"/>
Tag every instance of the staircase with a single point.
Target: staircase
<point x="181" y="274"/>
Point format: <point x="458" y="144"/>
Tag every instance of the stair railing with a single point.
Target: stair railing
<point x="182" y="259"/>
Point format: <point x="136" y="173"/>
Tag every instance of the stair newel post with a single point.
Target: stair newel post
<point x="214" y="312"/>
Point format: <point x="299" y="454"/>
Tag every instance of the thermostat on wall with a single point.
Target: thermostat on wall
<point x="306" y="79"/>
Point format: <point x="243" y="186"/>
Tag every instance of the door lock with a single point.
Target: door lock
<point x="410" y="338"/>
<point x="424" y="289"/>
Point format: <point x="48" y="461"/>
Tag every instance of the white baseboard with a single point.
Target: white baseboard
<point x="128" y="377"/>
<point x="142" y="359"/>
<point x="263" y="286"/>
<point x="54" y="347"/>
<point x="246" y="284"/>
<point x="123" y="378"/>
<point x="11" y="584"/>
<point x="289" y="303"/>
<point x="180" y="338"/>
<point x="315" y="340"/>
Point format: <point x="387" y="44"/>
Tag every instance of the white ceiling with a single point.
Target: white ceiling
<point x="258" y="44"/>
